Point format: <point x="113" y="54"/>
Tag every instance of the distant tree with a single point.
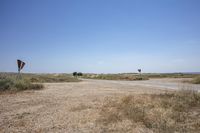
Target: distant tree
<point x="75" y="74"/>
<point x="80" y="74"/>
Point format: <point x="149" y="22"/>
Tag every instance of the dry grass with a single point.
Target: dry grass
<point x="128" y="77"/>
<point x="159" y="113"/>
<point x="196" y="80"/>
<point x="51" y="78"/>
<point x="170" y="75"/>
<point x="42" y="78"/>
<point x="13" y="84"/>
<point x="80" y="108"/>
<point x="136" y="76"/>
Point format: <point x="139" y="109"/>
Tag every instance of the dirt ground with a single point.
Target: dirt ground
<point x="71" y="107"/>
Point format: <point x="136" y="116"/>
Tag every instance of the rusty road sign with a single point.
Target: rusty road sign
<point x="21" y="65"/>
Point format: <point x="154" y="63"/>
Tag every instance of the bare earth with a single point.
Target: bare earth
<point x="71" y="107"/>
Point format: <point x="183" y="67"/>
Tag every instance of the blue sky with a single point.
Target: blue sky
<point x="100" y="36"/>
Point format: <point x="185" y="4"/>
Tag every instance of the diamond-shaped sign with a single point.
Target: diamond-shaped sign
<point x="20" y="64"/>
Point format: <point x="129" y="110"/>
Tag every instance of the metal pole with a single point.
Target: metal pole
<point x="18" y="75"/>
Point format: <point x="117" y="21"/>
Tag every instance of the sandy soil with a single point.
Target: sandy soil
<point x="70" y="107"/>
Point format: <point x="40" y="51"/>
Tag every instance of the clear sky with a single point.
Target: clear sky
<point x="102" y="36"/>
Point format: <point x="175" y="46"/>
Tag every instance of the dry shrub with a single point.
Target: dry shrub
<point x="165" y="113"/>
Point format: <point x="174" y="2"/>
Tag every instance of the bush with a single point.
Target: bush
<point x="75" y="74"/>
<point x="80" y="74"/>
<point x="6" y="84"/>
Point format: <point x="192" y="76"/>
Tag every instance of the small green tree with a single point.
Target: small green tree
<point x="80" y="74"/>
<point x="75" y="74"/>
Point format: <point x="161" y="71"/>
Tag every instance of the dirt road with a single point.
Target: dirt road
<point x="163" y="84"/>
<point x="70" y="107"/>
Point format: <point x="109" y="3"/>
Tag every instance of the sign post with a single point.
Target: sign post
<point x="140" y="71"/>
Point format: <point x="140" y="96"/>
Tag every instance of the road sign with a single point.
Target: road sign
<point x="139" y="70"/>
<point x="21" y="65"/>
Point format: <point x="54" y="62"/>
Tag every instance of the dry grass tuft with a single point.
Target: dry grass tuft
<point x="80" y="108"/>
<point x="165" y="113"/>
